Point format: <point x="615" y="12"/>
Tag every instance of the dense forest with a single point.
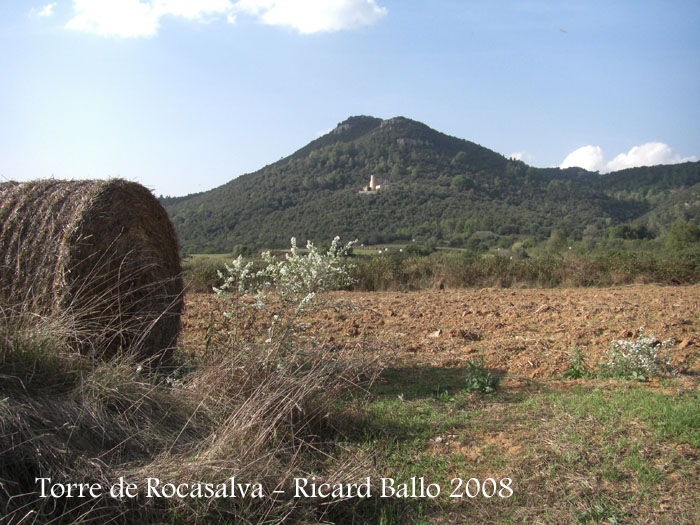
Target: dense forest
<point x="435" y="188"/>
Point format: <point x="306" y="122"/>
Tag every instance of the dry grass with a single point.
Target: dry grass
<point x="260" y="416"/>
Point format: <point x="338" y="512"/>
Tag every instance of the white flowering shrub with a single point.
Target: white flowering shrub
<point x="303" y="276"/>
<point x="284" y="288"/>
<point x="643" y="358"/>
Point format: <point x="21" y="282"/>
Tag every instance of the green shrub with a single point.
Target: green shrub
<point x="281" y="289"/>
<point x="682" y="234"/>
<point x="402" y="271"/>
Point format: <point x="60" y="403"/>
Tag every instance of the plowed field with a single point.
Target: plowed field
<point x="528" y="333"/>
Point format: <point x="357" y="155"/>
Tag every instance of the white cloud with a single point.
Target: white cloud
<point x="47" y="10"/>
<point x="192" y="9"/>
<point x="123" y="18"/>
<point x="314" y="16"/>
<point x="522" y="155"/>
<point x="141" y="18"/>
<point x="649" y="154"/>
<point x="587" y="157"/>
<point x="134" y="18"/>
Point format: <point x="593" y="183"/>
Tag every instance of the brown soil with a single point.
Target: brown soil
<point x="528" y="333"/>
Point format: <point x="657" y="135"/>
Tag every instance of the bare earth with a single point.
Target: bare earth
<point x="528" y="333"/>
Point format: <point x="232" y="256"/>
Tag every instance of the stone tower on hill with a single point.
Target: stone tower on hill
<point x="372" y="188"/>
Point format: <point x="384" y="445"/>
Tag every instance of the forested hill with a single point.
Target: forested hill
<point x="434" y="187"/>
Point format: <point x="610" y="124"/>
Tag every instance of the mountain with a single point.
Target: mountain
<point x="433" y="186"/>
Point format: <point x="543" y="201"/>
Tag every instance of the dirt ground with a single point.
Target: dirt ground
<point x="528" y="333"/>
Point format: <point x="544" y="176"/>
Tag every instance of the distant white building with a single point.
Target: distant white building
<point x="373" y="186"/>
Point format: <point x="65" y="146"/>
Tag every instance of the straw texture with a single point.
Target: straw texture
<point x="103" y="253"/>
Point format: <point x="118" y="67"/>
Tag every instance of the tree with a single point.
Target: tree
<point x="557" y="241"/>
<point x="682" y="235"/>
<point x="460" y="183"/>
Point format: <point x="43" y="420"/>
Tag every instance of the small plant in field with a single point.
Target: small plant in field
<point x="479" y="379"/>
<point x="442" y="395"/>
<point x="646" y="357"/>
<point x="577" y="366"/>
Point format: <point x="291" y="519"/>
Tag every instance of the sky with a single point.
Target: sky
<point x="185" y="95"/>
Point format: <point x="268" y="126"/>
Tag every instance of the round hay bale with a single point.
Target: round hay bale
<point x="101" y="253"/>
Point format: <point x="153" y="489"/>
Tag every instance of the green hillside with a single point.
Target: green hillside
<point x="435" y="187"/>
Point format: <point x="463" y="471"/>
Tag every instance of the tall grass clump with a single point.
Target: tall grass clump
<point x="260" y="406"/>
<point x="201" y="273"/>
<point x="72" y="418"/>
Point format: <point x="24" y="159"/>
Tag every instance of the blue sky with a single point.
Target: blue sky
<point x="184" y="95"/>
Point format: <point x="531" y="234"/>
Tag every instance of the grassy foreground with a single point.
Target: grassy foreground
<point x="582" y="451"/>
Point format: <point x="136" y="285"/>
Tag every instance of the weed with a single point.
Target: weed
<point x="479" y="379"/>
<point x="577" y="366"/>
<point x="443" y="395"/>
